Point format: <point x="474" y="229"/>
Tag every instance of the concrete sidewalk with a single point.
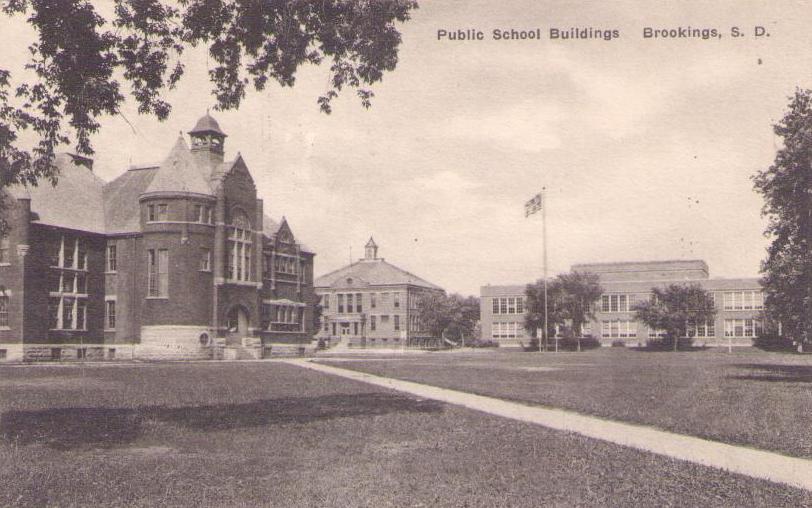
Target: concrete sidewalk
<point x="737" y="459"/>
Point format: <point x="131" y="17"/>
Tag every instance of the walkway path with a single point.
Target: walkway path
<point x="737" y="459"/>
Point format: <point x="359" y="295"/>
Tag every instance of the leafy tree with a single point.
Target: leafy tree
<point x="87" y="54"/>
<point x="571" y="296"/>
<point x="449" y="316"/>
<point x="674" y="309"/>
<point x="787" y="190"/>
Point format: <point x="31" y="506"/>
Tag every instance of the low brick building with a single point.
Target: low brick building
<point x="739" y="304"/>
<point x="174" y="260"/>
<point x="372" y="303"/>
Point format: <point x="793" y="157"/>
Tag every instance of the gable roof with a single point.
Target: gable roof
<point x="76" y="201"/>
<point x="375" y="272"/>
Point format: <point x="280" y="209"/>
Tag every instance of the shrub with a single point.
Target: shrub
<point x="565" y="344"/>
<point x="769" y="341"/>
<point x="482" y="343"/>
<point x="618" y="343"/>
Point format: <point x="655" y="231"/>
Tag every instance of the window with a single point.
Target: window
<point x="111" y="353"/>
<point x="503" y="305"/>
<point x="56" y="353"/>
<point x="355" y="328"/>
<point x="742" y="327"/>
<point x="111" y="258"/>
<point x="68" y="280"/>
<point x="358" y="305"/>
<point x="743" y="300"/>
<point x="239" y="248"/>
<point x="3" y="354"/>
<point x="209" y="218"/>
<point x="397" y="323"/>
<point x="67" y="313"/>
<point x="702" y="329"/>
<point x="496" y="305"/>
<point x="158" y="273"/>
<point x="156" y="212"/>
<point x="349" y="303"/>
<point x="325" y="302"/>
<point x="81" y="255"/>
<point x="110" y="317"/>
<point x="520" y="305"/>
<point x="81" y="353"/>
<point x="199" y="213"/>
<point x="396" y="299"/>
<point x="509" y="330"/>
<point x="286" y="264"/>
<point x="4" y="304"/>
<point x="4" y="250"/>
<point x="616" y="303"/>
<point x="81" y="283"/>
<point x="69" y="254"/>
<point x="341" y="304"/>
<point x="373" y="323"/>
<point x="618" y="328"/>
<point x="205" y="259"/>
<point x="373" y="300"/>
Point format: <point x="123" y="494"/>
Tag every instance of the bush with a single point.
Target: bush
<point x="482" y="343"/>
<point x="565" y="344"/>
<point x="618" y="343"/>
<point x="773" y="342"/>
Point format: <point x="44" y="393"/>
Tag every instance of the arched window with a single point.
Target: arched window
<point x="240" y="238"/>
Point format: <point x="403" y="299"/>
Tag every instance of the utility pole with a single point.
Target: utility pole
<point x="544" y="240"/>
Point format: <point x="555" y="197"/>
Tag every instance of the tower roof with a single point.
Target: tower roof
<point x="371" y="243"/>
<point x="179" y="173"/>
<point x="205" y="124"/>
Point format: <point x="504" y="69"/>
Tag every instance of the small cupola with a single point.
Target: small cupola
<point x="371" y="250"/>
<point x="207" y="135"/>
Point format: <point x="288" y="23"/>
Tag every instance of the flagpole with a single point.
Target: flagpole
<point x="544" y="240"/>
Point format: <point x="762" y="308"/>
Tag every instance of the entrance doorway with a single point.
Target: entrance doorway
<point x="237" y="324"/>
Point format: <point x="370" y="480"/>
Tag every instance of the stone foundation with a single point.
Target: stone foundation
<point x="174" y="343"/>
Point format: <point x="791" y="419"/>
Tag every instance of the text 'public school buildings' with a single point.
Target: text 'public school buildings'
<point x="739" y="304"/>
<point x="372" y="303"/>
<point x="176" y="260"/>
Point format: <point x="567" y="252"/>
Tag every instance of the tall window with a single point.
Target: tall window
<point x="158" y="267"/>
<point x="358" y="305"/>
<point x="340" y="304"/>
<point x="4" y="250"/>
<point x="112" y="262"/>
<point x="205" y="259"/>
<point x="325" y="302"/>
<point x="397" y="322"/>
<point x="110" y="315"/>
<point x="239" y="248"/>
<point x="618" y="328"/>
<point x="373" y="323"/>
<point x="396" y="299"/>
<point x="373" y="300"/>
<point x="4" y="304"/>
<point x="349" y="303"/>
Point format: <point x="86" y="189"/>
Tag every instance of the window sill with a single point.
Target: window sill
<point x="5" y="264"/>
<point x="67" y="329"/>
<point x="5" y="328"/>
<point x="109" y="330"/>
<point x="111" y="272"/>
<point x="157" y="298"/>
<point x="204" y="271"/>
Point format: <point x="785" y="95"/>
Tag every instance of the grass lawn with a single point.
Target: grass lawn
<point x="747" y="397"/>
<point x="248" y="434"/>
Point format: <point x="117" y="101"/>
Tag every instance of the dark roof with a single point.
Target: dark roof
<point x="207" y="124"/>
<point x="121" y="199"/>
<point x="371" y="243"/>
<point x="179" y="172"/>
<point x="75" y="202"/>
<point x="375" y="272"/>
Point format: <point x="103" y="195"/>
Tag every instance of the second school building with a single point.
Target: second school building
<point x="739" y="304"/>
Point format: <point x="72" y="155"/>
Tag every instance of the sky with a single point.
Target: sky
<point x="645" y="147"/>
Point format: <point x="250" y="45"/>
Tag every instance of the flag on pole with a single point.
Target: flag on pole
<point x="532" y="206"/>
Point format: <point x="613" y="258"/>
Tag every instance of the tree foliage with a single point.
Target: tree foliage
<point x="87" y="58"/>
<point x="571" y="297"/>
<point x="675" y="309"/>
<point x="787" y="190"/>
<point x="449" y="316"/>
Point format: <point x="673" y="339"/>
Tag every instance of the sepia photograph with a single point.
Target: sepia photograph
<point x="405" y="253"/>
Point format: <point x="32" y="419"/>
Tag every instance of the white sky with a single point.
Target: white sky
<point x="646" y="147"/>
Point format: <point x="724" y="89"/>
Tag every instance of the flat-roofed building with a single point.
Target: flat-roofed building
<point x="739" y="303"/>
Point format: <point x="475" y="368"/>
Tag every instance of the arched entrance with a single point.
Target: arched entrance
<point x="237" y="324"/>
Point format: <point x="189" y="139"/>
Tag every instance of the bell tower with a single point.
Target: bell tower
<point x="208" y="142"/>
<point x="371" y="250"/>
